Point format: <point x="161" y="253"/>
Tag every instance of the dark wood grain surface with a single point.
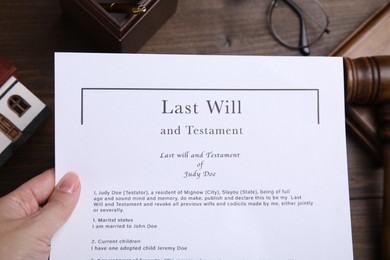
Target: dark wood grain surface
<point x="31" y="31"/>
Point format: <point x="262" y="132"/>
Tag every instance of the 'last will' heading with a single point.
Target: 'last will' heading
<point x="213" y="106"/>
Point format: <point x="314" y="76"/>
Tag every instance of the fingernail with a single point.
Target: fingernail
<point x="69" y="183"/>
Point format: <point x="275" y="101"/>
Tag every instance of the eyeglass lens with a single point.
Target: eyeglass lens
<point x="297" y="24"/>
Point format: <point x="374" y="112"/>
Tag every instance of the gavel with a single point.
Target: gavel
<point x="367" y="82"/>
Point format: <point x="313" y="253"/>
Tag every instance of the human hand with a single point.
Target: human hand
<point x="26" y="229"/>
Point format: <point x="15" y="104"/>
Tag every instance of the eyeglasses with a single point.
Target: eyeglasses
<point x="287" y="17"/>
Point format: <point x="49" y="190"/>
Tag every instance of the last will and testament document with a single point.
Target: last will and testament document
<point x="203" y="157"/>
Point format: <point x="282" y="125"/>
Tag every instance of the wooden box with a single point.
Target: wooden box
<point x="119" y="32"/>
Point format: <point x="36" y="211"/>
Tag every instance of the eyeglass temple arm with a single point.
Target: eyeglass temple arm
<point x="303" y="38"/>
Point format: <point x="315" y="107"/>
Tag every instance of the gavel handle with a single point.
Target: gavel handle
<point x="384" y="132"/>
<point x="367" y="81"/>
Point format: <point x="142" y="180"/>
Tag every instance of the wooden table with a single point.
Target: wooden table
<point x="31" y="31"/>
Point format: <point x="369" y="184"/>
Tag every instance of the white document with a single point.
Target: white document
<point x="203" y="157"/>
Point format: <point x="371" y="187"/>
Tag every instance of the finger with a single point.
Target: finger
<point x="26" y="199"/>
<point x="60" y="204"/>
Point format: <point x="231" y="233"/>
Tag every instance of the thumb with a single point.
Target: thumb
<point x="61" y="203"/>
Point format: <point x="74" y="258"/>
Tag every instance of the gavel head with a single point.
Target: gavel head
<point x="367" y="80"/>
